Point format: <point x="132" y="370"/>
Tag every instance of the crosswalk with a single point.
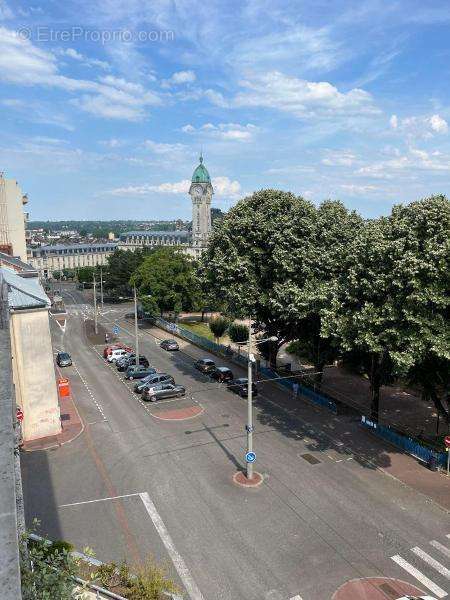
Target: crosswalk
<point x="427" y="566"/>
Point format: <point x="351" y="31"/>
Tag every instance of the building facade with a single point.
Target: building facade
<point x="48" y="259"/>
<point x="132" y="240"/>
<point x="12" y="218"/>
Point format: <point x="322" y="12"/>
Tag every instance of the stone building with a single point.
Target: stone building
<point x="12" y="218"/>
<point x="47" y="259"/>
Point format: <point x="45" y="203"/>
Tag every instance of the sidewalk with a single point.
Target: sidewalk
<point x="71" y="424"/>
<point x="343" y="435"/>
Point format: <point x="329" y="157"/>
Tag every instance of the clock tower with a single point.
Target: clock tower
<point x="201" y="192"/>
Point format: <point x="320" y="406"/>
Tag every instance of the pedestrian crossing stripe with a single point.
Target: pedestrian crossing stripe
<point x="423" y="579"/>
<point x="432" y="562"/>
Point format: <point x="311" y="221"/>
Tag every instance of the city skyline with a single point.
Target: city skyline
<point x="104" y="116"/>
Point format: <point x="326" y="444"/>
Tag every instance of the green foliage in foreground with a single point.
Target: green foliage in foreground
<point x="218" y="326"/>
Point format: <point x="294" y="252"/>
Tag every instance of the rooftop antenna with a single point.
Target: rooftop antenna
<point x="201" y="154"/>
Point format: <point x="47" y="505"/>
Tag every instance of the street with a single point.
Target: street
<point x="156" y="479"/>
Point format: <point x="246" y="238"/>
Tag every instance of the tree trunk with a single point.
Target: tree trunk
<point x="318" y="377"/>
<point x="375" y="385"/>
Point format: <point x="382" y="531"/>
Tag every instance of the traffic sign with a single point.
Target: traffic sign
<point x="250" y="457"/>
<point x="447" y="441"/>
<point x="116" y="330"/>
<point x="19" y="414"/>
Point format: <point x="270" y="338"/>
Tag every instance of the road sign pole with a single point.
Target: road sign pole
<point x="447" y="447"/>
<point x="249" y="402"/>
<point x="101" y="286"/>
<point x="95" y="307"/>
<point x="136" y="327"/>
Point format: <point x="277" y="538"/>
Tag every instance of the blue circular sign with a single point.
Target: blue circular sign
<point x="115" y="330"/>
<point x="250" y="457"/>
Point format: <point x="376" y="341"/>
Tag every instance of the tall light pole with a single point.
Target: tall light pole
<point x="95" y="306"/>
<point x="136" y="326"/>
<point x="101" y="286"/>
<point x="249" y="426"/>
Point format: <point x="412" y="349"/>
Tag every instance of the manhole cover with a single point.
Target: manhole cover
<point x="387" y="589"/>
<point x="65" y="417"/>
<point x="311" y="459"/>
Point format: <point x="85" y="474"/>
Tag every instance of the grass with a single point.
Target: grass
<point x="203" y="330"/>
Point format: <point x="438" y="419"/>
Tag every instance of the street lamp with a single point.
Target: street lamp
<point x="249" y="426"/>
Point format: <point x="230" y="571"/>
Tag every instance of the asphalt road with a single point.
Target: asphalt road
<point x="134" y="484"/>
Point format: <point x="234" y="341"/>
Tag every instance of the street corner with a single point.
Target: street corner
<point x="376" y="588"/>
<point x="183" y="411"/>
<point x="240" y="479"/>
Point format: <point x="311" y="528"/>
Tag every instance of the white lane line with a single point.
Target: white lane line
<point x="441" y="548"/>
<point x="99" y="407"/>
<point x="431" y="561"/>
<point x="296" y="597"/>
<point x="437" y="591"/>
<point x="98" y="500"/>
<point x="178" y="562"/>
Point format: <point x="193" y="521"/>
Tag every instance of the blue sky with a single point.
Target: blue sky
<point x="104" y="107"/>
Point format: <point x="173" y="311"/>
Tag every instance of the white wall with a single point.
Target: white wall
<point x="12" y="219"/>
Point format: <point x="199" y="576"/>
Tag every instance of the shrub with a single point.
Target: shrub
<point x="218" y="326"/>
<point x="238" y="333"/>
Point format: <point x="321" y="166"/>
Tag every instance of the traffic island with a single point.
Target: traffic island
<point x="376" y="588"/>
<point x="178" y="414"/>
<point x="240" y="478"/>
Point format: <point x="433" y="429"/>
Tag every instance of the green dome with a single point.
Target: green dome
<point x="201" y="174"/>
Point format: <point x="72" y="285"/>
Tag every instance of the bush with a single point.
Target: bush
<point x="218" y="326"/>
<point x="238" y="333"/>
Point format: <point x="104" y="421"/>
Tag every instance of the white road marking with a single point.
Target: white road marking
<point x="437" y="591"/>
<point x="296" y="597"/>
<point x="99" y="407"/>
<point x="178" y="562"/>
<point x="431" y="561"/>
<point x="441" y="548"/>
<point x="98" y="500"/>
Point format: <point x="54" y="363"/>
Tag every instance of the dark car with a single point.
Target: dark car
<point x="156" y="379"/>
<point x="169" y="345"/>
<point x="222" y="374"/>
<point x="205" y="365"/>
<point x="163" y="390"/>
<point x="142" y="383"/>
<point x="131" y="361"/>
<point x="137" y="372"/>
<point x="240" y="386"/>
<point x="63" y="359"/>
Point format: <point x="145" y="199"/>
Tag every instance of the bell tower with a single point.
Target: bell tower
<point x="201" y="192"/>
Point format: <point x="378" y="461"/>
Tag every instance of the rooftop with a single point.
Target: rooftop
<point x="57" y="247"/>
<point x="24" y="293"/>
<point x="174" y="233"/>
<point x="201" y="174"/>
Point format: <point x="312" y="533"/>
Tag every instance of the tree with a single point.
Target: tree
<point x="85" y="274"/>
<point x="390" y="305"/>
<point x="69" y="273"/>
<point x="251" y="258"/>
<point x="238" y="333"/>
<point x="218" y="326"/>
<point x="57" y="275"/>
<point x="121" y="266"/>
<point x="168" y="277"/>
<point x="308" y="293"/>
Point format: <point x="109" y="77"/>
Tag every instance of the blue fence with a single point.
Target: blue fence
<point x="313" y="396"/>
<point x="198" y="340"/>
<point x="408" y="444"/>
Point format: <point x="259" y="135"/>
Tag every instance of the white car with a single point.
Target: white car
<point x="416" y="598"/>
<point x="115" y="354"/>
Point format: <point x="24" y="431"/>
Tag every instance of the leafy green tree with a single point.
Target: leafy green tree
<point x="390" y="307"/>
<point x="238" y="333"/>
<point x="121" y="266"/>
<point x="68" y="273"/>
<point x="308" y="293"/>
<point x="166" y="281"/>
<point x="57" y="275"/>
<point x="85" y="274"/>
<point x="263" y="242"/>
<point x="218" y="326"/>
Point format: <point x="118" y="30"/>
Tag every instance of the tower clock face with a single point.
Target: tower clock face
<point x="197" y="190"/>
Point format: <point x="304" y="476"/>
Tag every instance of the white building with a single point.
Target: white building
<point x="47" y="259"/>
<point x="12" y="218"/>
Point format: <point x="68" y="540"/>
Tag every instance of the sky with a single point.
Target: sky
<point x="106" y="106"/>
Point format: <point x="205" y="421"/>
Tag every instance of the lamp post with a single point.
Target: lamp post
<point x="101" y="287"/>
<point x="95" y="307"/>
<point x="249" y="426"/>
<point x="136" y="326"/>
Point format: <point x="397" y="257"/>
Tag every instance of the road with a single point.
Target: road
<point x="136" y="484"/>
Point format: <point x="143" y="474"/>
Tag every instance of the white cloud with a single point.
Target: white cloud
<point x="352" y="189"/>
<point x="224" y="131"/>
<point x="223" y="186"/>
<point x="301" y="97"/>
<point x="339" y="158"/>
<point x="420" y="126"/>
<point x="179" y="78"/>
<point x="89" y="62"/>
<point x="438" y="124"/>
<point x="23" y="63"/>
<point x="393" y="121"/>
<point x="112" y="143"/>
<point x="161" y="148"/>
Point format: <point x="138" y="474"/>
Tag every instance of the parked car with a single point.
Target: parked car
<point x="143" y="382"/>
<point x="116" y="354"/>
<point x="64" y="359"/>
<point x="205" y="365"/>
<point x="222" y="374"/>
<point x="137" y="372"/>
<point x="240" y="386"/>
<point x="169" y="345"/>
<point x="156" y="379"/>
<point x="131" y="361"/>
<point x="163" y="390"/>
<point x="123" y="359"/>
<point x="108" y="349"/>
